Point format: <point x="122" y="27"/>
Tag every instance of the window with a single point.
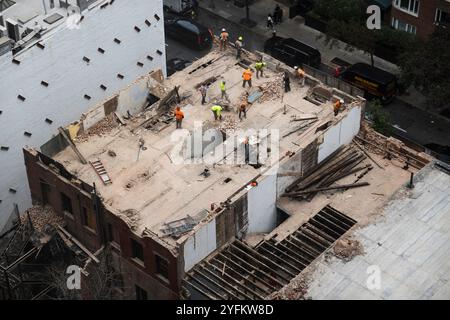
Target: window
<point x="88" y="218"/>
<point x="442" y="17"/>
<point x="403" y="26"/>
<point x="137" y="250"/>
<point x="162" y="266"/>
<point x="410" y="6"/>
<point x="66" y="203"/>
<point x="141" y="294"/>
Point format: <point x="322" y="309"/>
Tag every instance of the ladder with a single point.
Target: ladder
<point x="101" y="171"/>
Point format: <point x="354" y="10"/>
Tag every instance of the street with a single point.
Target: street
<point x="407" y="121"/>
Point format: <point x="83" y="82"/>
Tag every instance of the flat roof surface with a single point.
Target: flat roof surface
<point x="409" y="242"/>
<point x="161" y="191"/>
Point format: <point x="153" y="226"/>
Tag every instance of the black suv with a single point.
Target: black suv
<point x="189" y="32"/>
<point x="292" y="52"/>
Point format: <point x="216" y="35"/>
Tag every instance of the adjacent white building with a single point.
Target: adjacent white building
<point x="87" y="51"/>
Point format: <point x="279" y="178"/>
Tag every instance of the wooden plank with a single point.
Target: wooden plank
<point x="344" y="186"/>
<point x="72" y="145"/>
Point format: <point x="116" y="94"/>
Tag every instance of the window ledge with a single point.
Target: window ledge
<point x="90" y="230"/>
<point x="115" y="245"/>
<point x="162" y="278"/>
<point x="416" y="15"/>
<point x="69" y="215"/>
<point x="138" y="262"/>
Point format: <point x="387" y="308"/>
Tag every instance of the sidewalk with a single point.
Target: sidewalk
<point x="295" y="28"/>
<point x="290" y="28"/>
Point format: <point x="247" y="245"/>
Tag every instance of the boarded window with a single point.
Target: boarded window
<point x="88" y="218"/>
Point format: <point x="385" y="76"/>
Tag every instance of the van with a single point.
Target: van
<point x="376" y="83"/>
<point x="292" y="52"/>
<point x="189" y="32"/>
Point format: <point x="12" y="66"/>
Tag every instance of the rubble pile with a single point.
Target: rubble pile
<point x="133" y="217"/>
<point x="347" y="248"/>
<point x="297" y="289"/>
<point x="41" y="217"/>
<point x="271" y="90"/>
<point x="102" y="127"/>
<point x="228" y="123"/>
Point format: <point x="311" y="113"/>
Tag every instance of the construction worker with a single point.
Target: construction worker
<point x="259" y="66"/>
<point x="217" y="111"/>
<point x="247" y="78"/>
<point x="287" y="82"/>
<point x="223" y="89"/>
<point x="238" y="45"/>
<point x="223" y="39"/>
<point x="243" y="107"/>
<point x="203" y="88"/>
<point x="179" y="116"/>
<point x="300" y="74"/>
<point x="337" y="106"/>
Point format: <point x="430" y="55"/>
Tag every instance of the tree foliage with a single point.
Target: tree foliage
<point x="427" y="68"/>
<point x="379" y="117"/>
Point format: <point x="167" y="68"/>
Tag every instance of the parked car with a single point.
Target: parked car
<point x="375" y="82"/>
<point x="189" y="32"/>
<point x="292" y="52"/>
<point x="176" y="64"/>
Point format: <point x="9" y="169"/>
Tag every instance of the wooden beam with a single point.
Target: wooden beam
<point x="299" y="258"/>
<point x="344" y="186"/>
<point x="367" y="154"/>
<point x="242" y="289"/>
<point x="278" y="257"/>
<point x="274" y="246"/>
<point x="202" y="291"/>
<point x="252" y="274"/>
<point x="312" y="252"/>
<point x="78" y="243"/>
<point x="72" y="145"/>
<point x="199" y="272"/>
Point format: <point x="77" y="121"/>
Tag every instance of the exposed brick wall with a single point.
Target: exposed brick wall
<point x="134" y="273"/>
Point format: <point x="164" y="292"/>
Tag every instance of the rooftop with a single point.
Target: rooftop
<point x="409" y="243"/>
<point x="174" y="191"/>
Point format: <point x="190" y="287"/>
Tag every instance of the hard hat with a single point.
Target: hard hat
<point x="295" y="67"/>
<point x="240" y="38"/>
<point x="223" y="29"/>
<point x="341" y="101"/>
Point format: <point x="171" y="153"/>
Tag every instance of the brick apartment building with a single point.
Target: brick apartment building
<point x="420" y="17"/>
<point x="136" y="212"/>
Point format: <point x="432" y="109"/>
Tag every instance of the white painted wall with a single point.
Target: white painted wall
<point x="293" y="164"/>
<point x="61" y="65"/>
<point x="200" y="245"/>
<point x="262" y="210"/>
<point x="341" y="133"/>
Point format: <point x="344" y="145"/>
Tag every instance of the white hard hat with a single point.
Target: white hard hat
<point x="295" y="67"/>
<point x="341" y="100"/>
<point x="223" y="29"/>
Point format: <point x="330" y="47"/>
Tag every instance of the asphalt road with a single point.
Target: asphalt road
<point x="411" y="123"/>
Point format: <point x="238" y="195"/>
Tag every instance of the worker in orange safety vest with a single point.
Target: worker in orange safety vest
<point x="179" y="116"/>
<point x="247" y="78"/>
<point x="223" y="39"/>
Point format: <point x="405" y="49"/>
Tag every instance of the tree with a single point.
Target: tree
<point x="379" y="117"/>
<point x="427" y="68"/>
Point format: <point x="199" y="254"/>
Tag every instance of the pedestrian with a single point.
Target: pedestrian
<point x="203" y="89"/>
<point x="269" y="21"/>
<point x="238" y="45"/>
<point x="223" y="89"/>
<point x="287" y="82"/>
<point x="247" y="78"/>
<point x="259" y="66"/>
<point x="179" y="116"/>
<point x="217" y="111"/>
<point x="243" y="107"/>
<point x="277" y="14"/>
<point x="300" y="74"/>
<point x="223" y="39"/>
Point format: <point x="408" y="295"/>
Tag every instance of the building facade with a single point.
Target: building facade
<point x="77" y="62"/>
<point x="420" y="17"/>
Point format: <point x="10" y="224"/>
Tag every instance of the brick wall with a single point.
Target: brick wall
<point x="134" y="273"/>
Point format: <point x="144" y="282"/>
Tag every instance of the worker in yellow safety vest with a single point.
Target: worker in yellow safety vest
<point x="217" y="111"/>
<point x="223" y="88"/>
<point x="259" y="66"/>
